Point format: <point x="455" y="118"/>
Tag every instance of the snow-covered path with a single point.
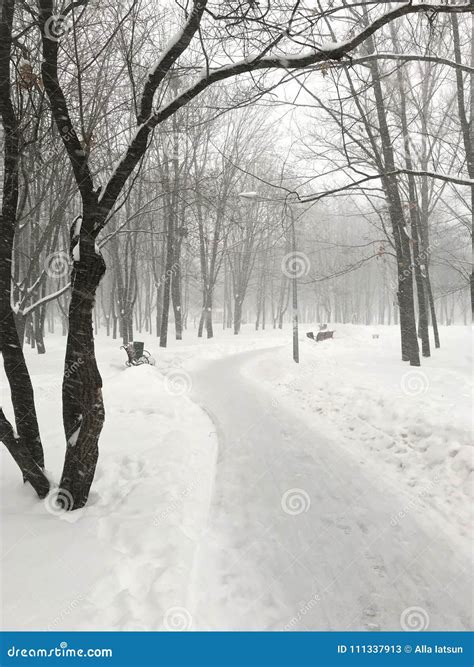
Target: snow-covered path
<point x="300" y="533"/>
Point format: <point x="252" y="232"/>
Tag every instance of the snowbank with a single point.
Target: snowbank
<point x="415" y="425"/>
<point x="125" y="561"/>
<point x="138" y="556"/>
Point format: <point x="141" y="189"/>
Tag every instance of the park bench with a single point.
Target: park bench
<point x="324" y="335"/>
<point x="321" y="335"/>
<point x="136" y="354"/>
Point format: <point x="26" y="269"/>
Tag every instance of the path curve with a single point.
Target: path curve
<point x="300" y="535"/>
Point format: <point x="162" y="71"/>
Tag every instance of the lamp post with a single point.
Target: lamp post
<point x="294" y="280"/>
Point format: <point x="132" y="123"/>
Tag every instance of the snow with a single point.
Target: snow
<point x="238" y="490"/>
<point x="125" y="559"/>
<point x="45" y="299"/>
<point x="77" y="225"/>
<point x="172" y="43"/>
<point x="310" y="530"/>
<point x="416" y="424"/>
<point x="73" y="439"/>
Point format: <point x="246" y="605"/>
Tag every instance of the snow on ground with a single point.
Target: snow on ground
<point x="185" y="528"/>
<point x="124" y="561"/>
<point x="412" y="425"/>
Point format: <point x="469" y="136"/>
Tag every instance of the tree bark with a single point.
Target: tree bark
<point x="409" y="340"/>
<point x="237" y="315"/>
<point x="467" y="127"/>
<point x="83" y="407"/>
<point x="418" y="251"/>
<point x="26" y="449"/>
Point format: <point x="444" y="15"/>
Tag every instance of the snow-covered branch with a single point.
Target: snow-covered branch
<point x="44" y="300"/>
<point x="172" y="52"/>
<point x="330" y="52"/>
<point x="410" y="57"/>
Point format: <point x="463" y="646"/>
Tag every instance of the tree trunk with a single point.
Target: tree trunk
<point x="237" y="316"/>
<point x="209" y="327"/>
<point x="83" y="407"/>
<point x="168" y="274"/>
<point x="467" y="127"/>
<point x="39" y="316"/>
<point x="434" y="319"/>
<point x="26" y="448"/>
<point x="202" y="319"/>
<point x="418" y="251"/>
<point x="409" y="340"/>
<point x="176" y="299"/>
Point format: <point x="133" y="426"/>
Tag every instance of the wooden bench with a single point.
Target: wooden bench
<point x="321" y="335"/>
<point x="324" y="335"/>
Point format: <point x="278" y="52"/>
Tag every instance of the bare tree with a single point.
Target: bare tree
<point x="262" y="40"/>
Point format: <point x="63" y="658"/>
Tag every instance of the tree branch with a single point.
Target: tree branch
<point x="467" y="182"/>
<point x="175" y="49"/>
<point x="59" y="108"/>
<point x="330" y="52"/>
<point x="31" y="471"/>
<point x="407" y="57"/>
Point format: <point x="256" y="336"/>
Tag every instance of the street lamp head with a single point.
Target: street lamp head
<point x="248" y="195"/>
